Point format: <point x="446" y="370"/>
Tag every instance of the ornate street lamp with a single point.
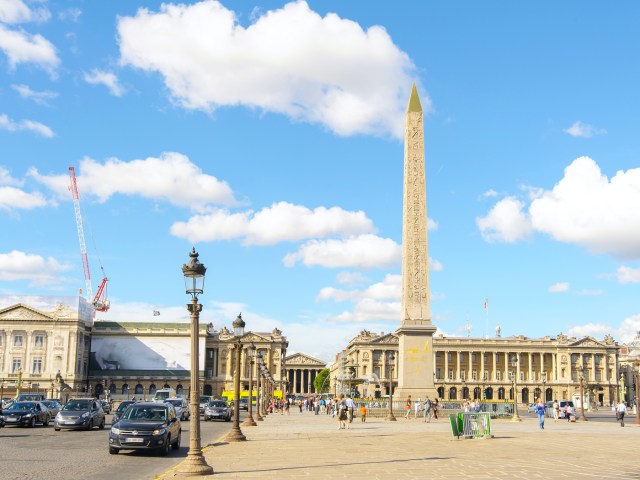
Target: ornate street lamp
<point x="193" y="271"/>
<point x="235" y="434"/>
<point x="514" y="375"/>
<point x="258" y="394"/>
<point x="544" y="386"/>
<point x="582" y="417"/>
<point x="251" y="353"/>
<point x="389" y="358"/>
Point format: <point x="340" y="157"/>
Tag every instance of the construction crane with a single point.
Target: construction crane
<point x="99" y="302"/>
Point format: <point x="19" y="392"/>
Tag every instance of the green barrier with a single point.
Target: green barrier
<point x="454" y="425"/>
<point x="475" y="425"/>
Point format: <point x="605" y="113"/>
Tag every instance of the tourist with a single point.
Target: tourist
<point x="568" y="412"/>
<point x="621" y="409"/>
<point x="350" y="408"/>
<point x="556" y="410"/>
<point x="428" y="410"/>
<point x="435" y="406"/>
<point x="342" y="413"/>
<point x="408" y="407"/>
<point x="363" y="413"/>
<point x="416" y="407"/>
<point x="540" y="412"/>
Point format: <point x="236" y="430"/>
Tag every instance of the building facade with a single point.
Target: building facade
<point x="302" y="371"/>
<point x="484" y="368"/>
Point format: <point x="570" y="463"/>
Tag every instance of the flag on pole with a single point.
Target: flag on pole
<point x="156" y="313"/>
<point x="486" y="303"/>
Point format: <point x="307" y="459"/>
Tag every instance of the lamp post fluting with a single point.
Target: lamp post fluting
<point x="582" y="417"/>
<point x="390" y="416"/>
<point x="251" y="353"/>
<point x="235" y="434"/>
<point x="194" y="271"/>
<point x="514" y="365"/>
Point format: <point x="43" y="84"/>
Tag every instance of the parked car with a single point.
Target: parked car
<point x="531" y="408"/>
<point x="146" y="425"/>
<point x="217" y="410"/>
<point x="182" y="407"/>
<point x="83" y="413"/>
<point x="53" y="406"/>
<point x="204" y="400"/>
<point x="106" y="406"/>
<point x="120" y="410"/>
<point x="26" y="414"/>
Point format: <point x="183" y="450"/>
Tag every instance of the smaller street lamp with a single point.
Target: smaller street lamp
<point x="389" y="359"/>
<point x="544" y="386"/>
<point x="235" y="434"/>
<point x="582" y="417"/>
<point x="258" y="392"/>
<point x="514" y="365"/>
<point x="251" y="353"/>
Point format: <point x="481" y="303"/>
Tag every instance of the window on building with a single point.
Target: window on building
<point x="364" y="370"/>
<point x="437" y="356"/>
<point x="16" y="365"/>
<point x="179" y="389"/>
<point x="473" y="357"/>
<point x="0" y="340"/>
<point x="139" y="389"/>
<point x="38" y="341"/>
<point x="474" y="375"/>
<point x="438" y="374"/>
<point x="522" y="376"/>
<point x="376" y="355"/>
<point x="462" y="357"/>
<point x="376" y="371"/>
<point x="485" y="375"/>
<point x="18" y="340"/>
<point x="36" y="367"/>
<point x="125" y="389"/>
<point x="451" y="374"/>
<point x="449" y="357"/>
<point x="498" y="375"/>
<point x="463" y="375"/>
<point x="152" y="389"/>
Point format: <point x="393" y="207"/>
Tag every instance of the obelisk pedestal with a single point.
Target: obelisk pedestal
<point x="415" y="335"/>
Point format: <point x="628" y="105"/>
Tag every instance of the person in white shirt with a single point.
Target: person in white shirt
<point x="621" y="410"/>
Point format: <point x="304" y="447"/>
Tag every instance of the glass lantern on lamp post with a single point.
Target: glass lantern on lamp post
<point x="235" y="434"/>
<point x="194" y="271"/>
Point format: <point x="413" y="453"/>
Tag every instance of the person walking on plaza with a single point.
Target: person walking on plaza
<point x="568" y="412"/>
<point x="621" y="410"/>
<point x="435" y="407"/>
<point x="428" y="410"/>
<point x="342" y="412"/>
<point x="408" y="407"/>
<point x="416" y="408"/>
<point x="363" y="413"/>
<point x="556" y="410"/>
<point x="350" y="409"/>
<point x="540" y="412"/>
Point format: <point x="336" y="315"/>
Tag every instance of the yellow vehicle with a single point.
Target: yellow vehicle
<point x="229" y="395"/>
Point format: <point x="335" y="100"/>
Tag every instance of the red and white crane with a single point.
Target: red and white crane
<point x="99" y="301"/>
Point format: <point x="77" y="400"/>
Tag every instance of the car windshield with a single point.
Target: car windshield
<point x="204" y="399"/>
<point x="50" y="404"/>
<point x="218" y="404"/>
<point x="123" y="406"/>
<point x="145" y="413"/>
<point x="22" y="406"/>
<point x="76" y="405"/>
<point x="175" y="402"/>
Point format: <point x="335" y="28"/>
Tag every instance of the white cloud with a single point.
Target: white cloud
<point x="584" y="130"/>
<point x="14" y="198"/>
<point x="172" y="177"/>
<point x="590" y="293"/>
<point x="370" y="310"/>
<point x="589" y="330"/>
<point x="628" y="274"/>
<point x="505" y="222"/>
<point x="435" y="265"/>
<point x="389" y="288"/>
<point x="325" y="70"/>
<point x="491" y="193"/>
<point x="7" y="179"/>
<point x="40" y="271"/>
<point x="350" y="278"/>
<point x="629" y="327"/>
<point x="22" y="47"/>
<point x="362" y="251"/>
<point x="559" y="287"/>
<point x="24" y="125"/>
<point x="432" y="225"/>
<point x="108" y="79"/>
<point x="72" y="14"/>
<point x="584" y="207"/>
<point x="38" y="97"/>
<point x="278" y="223"/>
<point x="16" y="11"/>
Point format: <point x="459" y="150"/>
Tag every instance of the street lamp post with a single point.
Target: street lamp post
<point x="251" y="353"/>
<point x="514" y="365"/>
<point x="258" y="394"/>
<point x="582" y="417"/>
<point x="390" y="416"/>
<point x="235" y="434"/>
<point x="194" y="271"/>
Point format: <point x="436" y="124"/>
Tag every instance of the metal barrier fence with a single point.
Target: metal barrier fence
<point x="379" y="408"/>
<point x="471" y="425"/>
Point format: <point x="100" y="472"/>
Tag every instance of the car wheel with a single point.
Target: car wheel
<point x="113" y="451"/>
<point x="56" y="429"/>
<point x="90" y="425"/>
<point x="46" y="422"/>
<point x="101" y="426"/>
<point x="164" y="451"/>
<point x="32" y="422"/>
<point x="176" y="444"/>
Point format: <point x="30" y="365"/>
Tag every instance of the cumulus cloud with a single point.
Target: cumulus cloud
<point x="7" y="179"/>
<point x="14" y="198"/>
<point x="40" y="98"/>
<point x="368" y="310"/>
<point x="25" y="125"/>
<point x="628" y="274"/>
<point x="172" y="178"/>
<point x="16" y="11"/>
<point x="584" y="130"/>
<point x="325" y="70"/>
<point x="22" y="47"/>
<point x="589" y="330"/>
<point x="491" y="193"/>
<point x="280" y="222"/>
<point x="389" y="288"/>
<point x="559" y="287"/>
<point x="350" y="278"/>
<point x="108" y="79"/>
<point x="362" y="251"/>
<point x="584" y="207"/>
<point x="628" y="329"/>
<point x="40" y="271"/>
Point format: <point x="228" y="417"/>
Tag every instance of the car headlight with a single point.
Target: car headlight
<point x="160" y="431"/>
<point x="85" y="415"/>
<point x="115" y="430"/>
<point x="28" y="415"/>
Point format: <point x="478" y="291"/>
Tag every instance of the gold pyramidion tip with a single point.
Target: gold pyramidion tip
<point x="414" y="101"/>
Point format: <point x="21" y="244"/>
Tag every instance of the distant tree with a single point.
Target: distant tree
<point x="321" y="383"/>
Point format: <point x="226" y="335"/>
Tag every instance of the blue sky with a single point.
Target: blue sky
<point x="270" y="138"/>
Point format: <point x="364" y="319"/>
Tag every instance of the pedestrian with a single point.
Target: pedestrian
<point x="556" y="410"/>
<point x="286" y="406"/>
<point x="435" y="406"/>
<point x="568" y="412"/>
<point x="416" y="407"/>
<point x="300" y="405"/>
<point x="622" y="409"/>
<point x="363" y="413"/>
<point x="540" y="412"/>
<point x="408" y="407"/>
<point x="342" y="413"/>
<point x="350" y="408"/>
<point x="428" y="410"/>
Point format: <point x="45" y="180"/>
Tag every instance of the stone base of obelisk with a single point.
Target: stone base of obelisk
<point x="415" y="361"/>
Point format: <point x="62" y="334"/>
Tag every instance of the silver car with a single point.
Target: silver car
<point x="182" y="407"/>
<point x="84" y="413"/>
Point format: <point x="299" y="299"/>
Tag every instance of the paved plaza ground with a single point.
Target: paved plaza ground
<point x="309" y="446"/>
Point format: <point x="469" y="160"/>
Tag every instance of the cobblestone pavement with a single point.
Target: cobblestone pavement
<point x="309" y="446"/>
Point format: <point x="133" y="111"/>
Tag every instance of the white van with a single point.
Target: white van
<point x="163" y="394"/>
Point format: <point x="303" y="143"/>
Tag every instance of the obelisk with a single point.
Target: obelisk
<point x="415" y="349"/>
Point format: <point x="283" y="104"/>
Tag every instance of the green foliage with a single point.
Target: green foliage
<point x="321" y="383"/>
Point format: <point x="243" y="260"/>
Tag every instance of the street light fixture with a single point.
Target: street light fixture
<point x="251" y="353"/>
<point x="389" y="359"/>
<point x="514" y="365"/>
<point x="258" y="383"/>
<point x="582" y="417"/>
<point x="194" y="271"/>
<point x="544" y="386"/>
<point x="235" y="434"/>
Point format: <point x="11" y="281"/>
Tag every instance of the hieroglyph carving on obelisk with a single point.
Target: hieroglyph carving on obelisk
<point x="415" y="257"/>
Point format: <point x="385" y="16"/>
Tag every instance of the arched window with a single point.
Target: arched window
<point x="208" y="390"/>
<point x="179" y="390"/>
<point x="99" y="389"/>
<point x="477" y="393"/>
<point x="139" y="389"/>
<point x="112" y="388"/>
<point x="125" y="389"/>
<point x="152" y="389"/>
<point x="548" y="394"/>
<point x="441" y="392"/>
<point x="166" y="385"/>
<point x="488" y="393"/>
<point x="453" y="393"/>
<point x="525" y="395"/>
<point x="501" y="393"/>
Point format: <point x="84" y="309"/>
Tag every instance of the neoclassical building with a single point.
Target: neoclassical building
<point x="484" y="368"/>
<point x="301" y="372"/>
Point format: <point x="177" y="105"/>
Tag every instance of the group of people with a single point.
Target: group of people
<point x="429" y="408"/>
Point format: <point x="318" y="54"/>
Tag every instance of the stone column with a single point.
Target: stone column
<point x="530" y="373"/>
<point x="458" y="377"/>
<point x="446" y="365"/>
<point x="554" y="367"/>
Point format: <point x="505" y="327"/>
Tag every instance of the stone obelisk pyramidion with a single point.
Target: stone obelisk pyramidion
<point x="415" y="335"/>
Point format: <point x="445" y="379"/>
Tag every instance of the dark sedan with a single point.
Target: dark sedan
<point x="27" y="414"/>
<point x="117" y="413"/>
<point x="145" y="426"/>
<point x="217" y="410"/>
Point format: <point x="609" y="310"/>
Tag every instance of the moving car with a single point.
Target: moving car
<point x="204" y="400"/>
<point x="26" y="414"/>
<point x="120" y="410"/>
<point x="144" y="426"/>
<point x="106" y="406"/>
<point x="244" y="404"/>
<point x="53" y="406"/>
<point x="83" y="413"/>
<point x="181" y="406"/>
<point x="217" y="410"/>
